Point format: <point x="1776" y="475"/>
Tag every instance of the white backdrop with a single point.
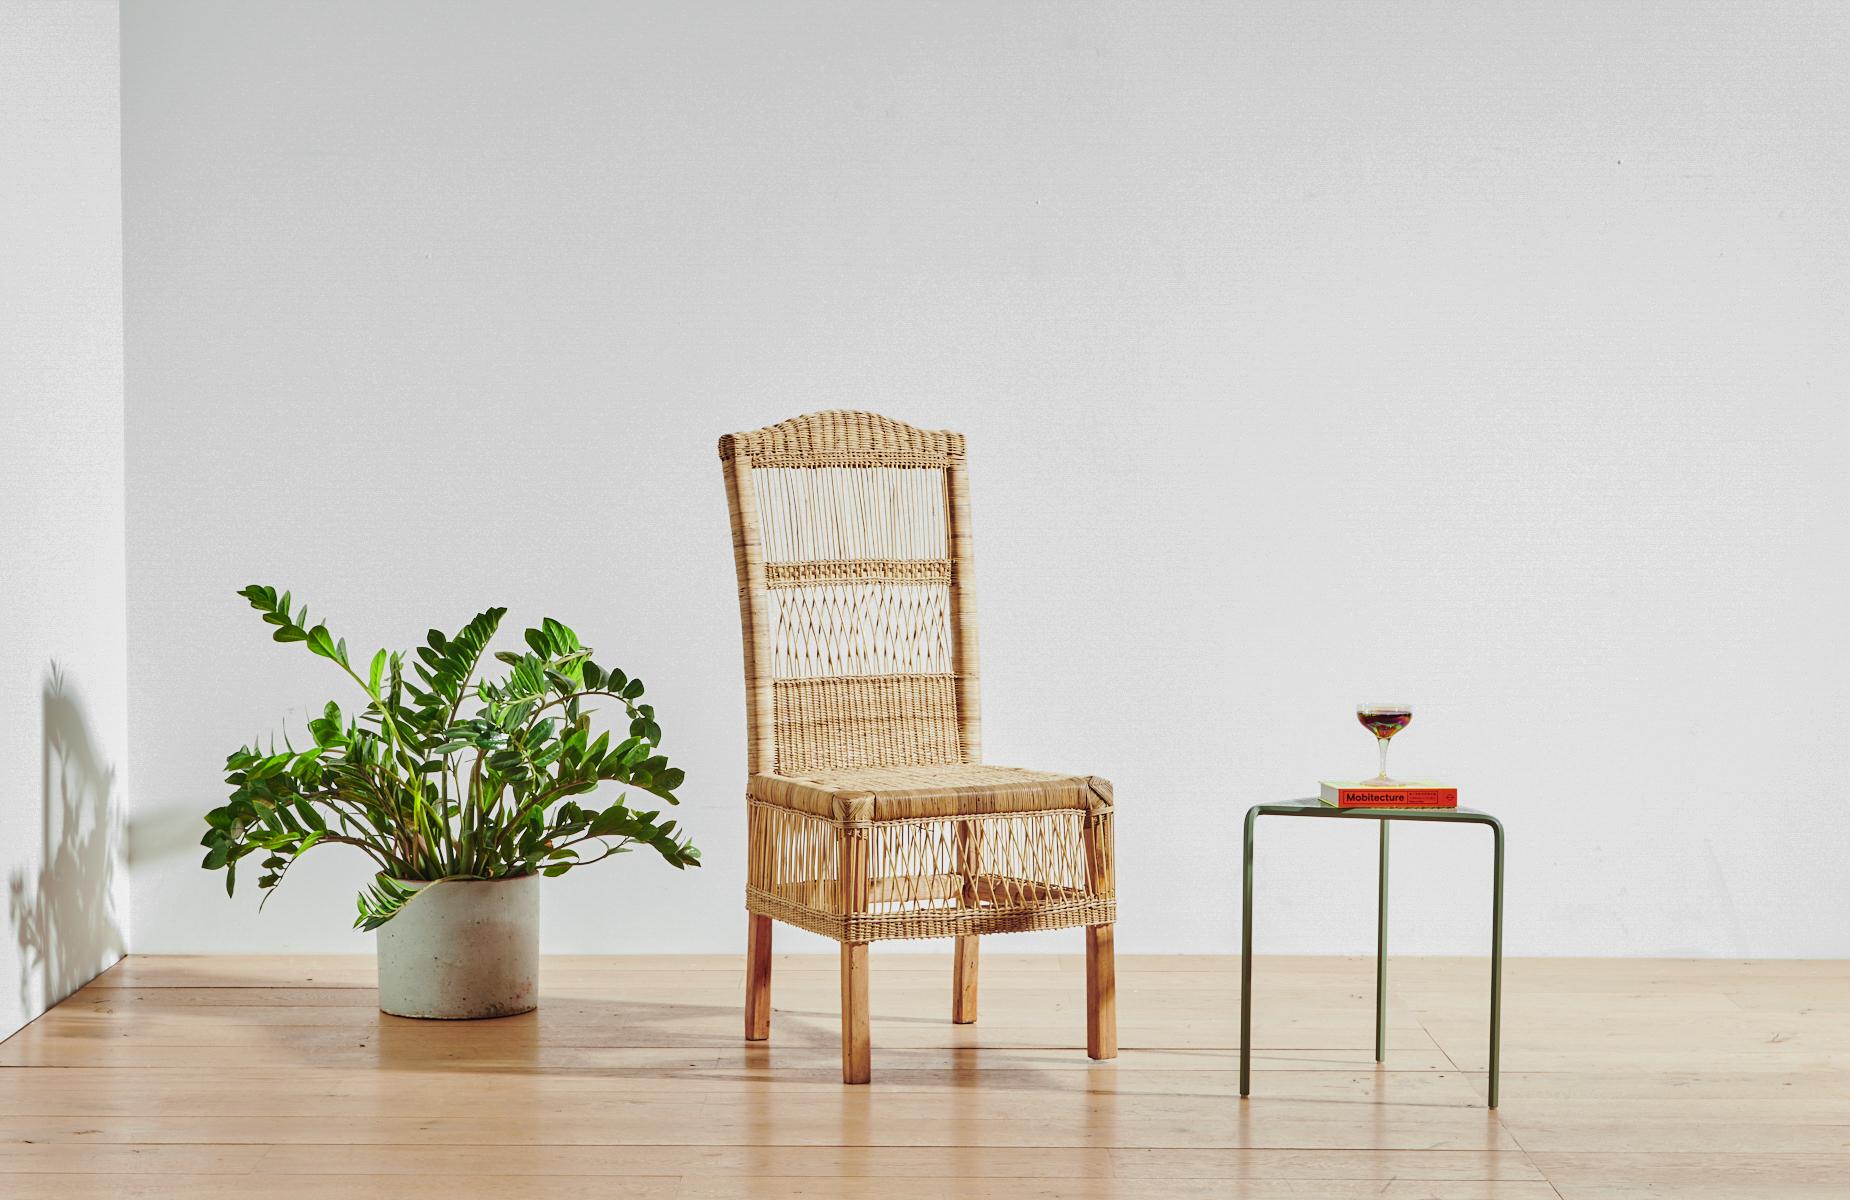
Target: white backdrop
<point x="1485" y="357"/>
<point x="63" y="623"/>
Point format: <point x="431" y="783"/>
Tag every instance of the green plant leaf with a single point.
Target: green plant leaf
<point x="383" y="900"/>
<point x="320" y="642"/>
<point x="429" y="791"/>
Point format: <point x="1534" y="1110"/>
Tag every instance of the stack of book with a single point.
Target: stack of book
<point x="1352" y="794"/>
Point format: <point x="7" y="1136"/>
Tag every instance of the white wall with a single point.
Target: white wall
<point x="63" y="627"/>
<point x="1488" y="357"/>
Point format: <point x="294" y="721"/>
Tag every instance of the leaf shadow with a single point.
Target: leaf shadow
<point x="63" y="912"/>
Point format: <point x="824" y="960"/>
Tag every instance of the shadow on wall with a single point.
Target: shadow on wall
<point x="65" y="920"/>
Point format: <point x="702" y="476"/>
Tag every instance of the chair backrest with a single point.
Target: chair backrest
<point x="851" y="536"/>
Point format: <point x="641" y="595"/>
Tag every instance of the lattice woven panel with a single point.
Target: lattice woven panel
<point x="851" y="514"/>
<point x="931" y="877"/>
<point x="858" y="609"/>
<point x="860" y="629"/>
<point x="875" y="721"/>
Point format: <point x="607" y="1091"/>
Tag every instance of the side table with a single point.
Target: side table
<point x="1384" y="816"/>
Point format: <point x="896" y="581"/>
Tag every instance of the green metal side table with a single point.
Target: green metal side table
<point x="1315" y="808"/>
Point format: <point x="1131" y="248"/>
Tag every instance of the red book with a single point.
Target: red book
<point x="1355" y="794"/>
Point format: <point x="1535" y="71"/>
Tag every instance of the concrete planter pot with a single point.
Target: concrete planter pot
<point x="470" y="948"/>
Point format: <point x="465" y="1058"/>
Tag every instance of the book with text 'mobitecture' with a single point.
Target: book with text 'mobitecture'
<point x="1355" y="794"/>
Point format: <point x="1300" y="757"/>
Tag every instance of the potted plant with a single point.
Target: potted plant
<point x="461" y="813"/>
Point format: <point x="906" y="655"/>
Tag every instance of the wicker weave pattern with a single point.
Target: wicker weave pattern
<point x="930" y="877"/>
<point x="871" y="814"/>
<point x="856" y="571"/>
<point x="860" y="629"/>
<point x="908" y="792"/>
<point x="843" y="438"/>
<point x="851" y="514"/>
<point x="872" y="721"/>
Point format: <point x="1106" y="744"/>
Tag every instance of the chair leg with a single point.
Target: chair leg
<point x="1101" y="994"/>
<point x="963" y="982"/>
<point x="758" y="979"/>
<point x="963" y="973"/>
<point x="856" y="1057"/>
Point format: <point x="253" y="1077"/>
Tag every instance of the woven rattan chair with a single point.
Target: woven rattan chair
<point x="872" y="814"/>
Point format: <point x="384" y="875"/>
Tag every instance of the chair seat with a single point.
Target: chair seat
<point x="937" y="790"/>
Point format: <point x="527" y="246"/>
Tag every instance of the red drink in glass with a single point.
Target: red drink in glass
<point x="1384" y="721"/>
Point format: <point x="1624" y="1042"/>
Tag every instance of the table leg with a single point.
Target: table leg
<point x="1381" y="908"/>
<point x="1246" y="960"/>
<point x="1496" y="961"/>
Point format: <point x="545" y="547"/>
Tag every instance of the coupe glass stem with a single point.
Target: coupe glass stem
<point x="1383" y="775"/>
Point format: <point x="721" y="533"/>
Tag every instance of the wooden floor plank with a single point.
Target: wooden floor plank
<point x="561" y="1187"/>
<point x="1305" y="1165"/>
<point x="338" y="1187"/>
<point x="325" y="1091"/>
<point x="1114" y="1189"/>
<point x="1699" y="1176"/>
<point x="1178" y="1123"/>
<point x="1623" y="1079"/>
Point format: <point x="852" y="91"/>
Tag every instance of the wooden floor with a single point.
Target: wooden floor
<point x="219" y="1077"/>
